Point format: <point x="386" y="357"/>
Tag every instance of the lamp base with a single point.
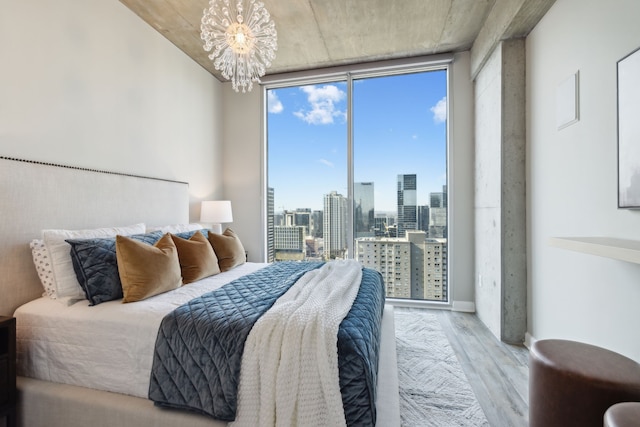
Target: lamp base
<point x="216" y="228"/>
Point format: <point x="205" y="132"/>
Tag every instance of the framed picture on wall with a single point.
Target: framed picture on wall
<point x="629" y="131"/>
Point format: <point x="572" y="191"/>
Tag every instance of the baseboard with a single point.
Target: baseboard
<point x="464" y="306"/>
<point x="529" y="340"/>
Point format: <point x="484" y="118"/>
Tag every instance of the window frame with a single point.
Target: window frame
<point x="348" y="74"/>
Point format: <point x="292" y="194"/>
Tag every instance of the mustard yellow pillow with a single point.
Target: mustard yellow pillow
<point x="147" y="270"/>
<point x="197" y="258"/>
<point x="228" y="249"/>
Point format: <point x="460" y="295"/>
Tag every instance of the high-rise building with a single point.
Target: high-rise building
<point x="412" y="267"/>
<point x="438" y="200"/>
<point x="289" y="243"/>
<point x="382" y="222"/>
<point x="423" y="218"/>
<point x="335" y="226"/>
<point x="438" y="214"/>
<point x="288" y="219"/>
<point x="278" y="218"/>
<point x="303" y="218"/>
<point x="438" y="223"/>
<point x="407" y="204"/>
<point x="392" y="258"/>
<point x="317" y="224"/>
<point x="435" y="270"/>
<point x="363" y="209"/>
<point x="270" y="224"/>
<point x="314" y="248"/>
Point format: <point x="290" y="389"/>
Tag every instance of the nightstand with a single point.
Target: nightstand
<point x="8" y="392"/>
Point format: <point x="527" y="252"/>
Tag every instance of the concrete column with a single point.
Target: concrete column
<point x="514" y="259"/>
<point x="500" y="204"/>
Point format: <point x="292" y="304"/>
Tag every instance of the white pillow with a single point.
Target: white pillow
<point x="44" y="267"/>
<point x="176" y="228"/>
<point x="68" y="289"/>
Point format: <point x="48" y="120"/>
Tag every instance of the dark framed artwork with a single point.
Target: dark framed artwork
<point x="629" y="130"/>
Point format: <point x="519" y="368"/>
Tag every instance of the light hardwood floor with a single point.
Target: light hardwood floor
<point x="497" y="372"/>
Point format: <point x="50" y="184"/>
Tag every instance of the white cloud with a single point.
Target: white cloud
<point x="326" y="162"/>
<point x="273" y="103"/>
<point x="322" y="105"/>
<point x="440" y="111"/>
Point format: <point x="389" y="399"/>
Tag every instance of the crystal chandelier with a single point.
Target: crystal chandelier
<point x="242" y="41"/>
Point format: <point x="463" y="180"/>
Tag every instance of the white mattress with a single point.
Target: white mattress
<point x="105" y="347"/>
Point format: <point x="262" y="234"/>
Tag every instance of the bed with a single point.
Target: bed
<point x="49" y="398"/>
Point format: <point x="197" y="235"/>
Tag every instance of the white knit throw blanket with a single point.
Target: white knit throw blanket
<point x="289" y="373"/>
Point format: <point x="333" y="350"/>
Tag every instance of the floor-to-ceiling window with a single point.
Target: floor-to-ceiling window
<point x="357" y="168"/>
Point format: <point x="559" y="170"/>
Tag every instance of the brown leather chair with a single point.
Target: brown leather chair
<point x="573" y="384"/>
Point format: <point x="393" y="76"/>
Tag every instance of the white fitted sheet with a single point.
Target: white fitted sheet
<point x="105" y="347"/>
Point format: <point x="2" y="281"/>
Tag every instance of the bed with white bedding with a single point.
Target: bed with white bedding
<point x="67" y="382"/>
<point x="61" y="344"/>
<point x="110" y="346"/>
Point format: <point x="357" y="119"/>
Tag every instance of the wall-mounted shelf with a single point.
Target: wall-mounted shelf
<point x="622" y="249"/>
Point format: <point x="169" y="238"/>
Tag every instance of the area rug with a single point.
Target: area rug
<point x="434" y="390"/>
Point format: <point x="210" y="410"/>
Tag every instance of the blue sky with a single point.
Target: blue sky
<point x="399" y="127"/>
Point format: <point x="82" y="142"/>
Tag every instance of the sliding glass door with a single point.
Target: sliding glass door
<point x="357" y="169"/>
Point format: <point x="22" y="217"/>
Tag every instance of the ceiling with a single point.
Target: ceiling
<point x="321" y="33"/>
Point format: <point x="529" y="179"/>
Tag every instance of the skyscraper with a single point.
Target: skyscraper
<point x="304" y="219"/>
<point x="270" y="224"/>
<point x="407" y="203"/>
<point x="438" y="200"/>
<point x="438" y="214"/>
<point x="335" y="226"/>
<point x="435" y="200"/>
<point x="438" y="223"/>
<point x="317" y="224"/>
<point x="423" y="218"/>
<point x="363" y="212"/>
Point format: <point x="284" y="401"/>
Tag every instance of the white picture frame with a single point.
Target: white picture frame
<point x="568" y="101"/>
<point x="628" y="73"/>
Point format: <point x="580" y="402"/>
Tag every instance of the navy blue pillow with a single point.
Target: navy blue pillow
<point x="96" y="266"/>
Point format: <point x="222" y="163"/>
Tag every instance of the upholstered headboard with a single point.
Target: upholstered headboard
<point x="36" y="196"/>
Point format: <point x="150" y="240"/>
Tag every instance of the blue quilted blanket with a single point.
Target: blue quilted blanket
<point x="199" y="346"/>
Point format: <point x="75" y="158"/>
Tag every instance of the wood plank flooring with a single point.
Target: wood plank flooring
<point x="498" y="373"/>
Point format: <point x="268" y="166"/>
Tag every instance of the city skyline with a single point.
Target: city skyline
<point x="393" y="211"/>
<point x="399" y="127"/>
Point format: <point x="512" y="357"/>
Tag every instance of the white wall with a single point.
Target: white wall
<point x="461" y="189"/>
<point x="243" y="176"/>
<point x="572" y="185"/>
<point x="89" y="84"/>
<point x="243" y="166"/>
<point x="488" y="139"/>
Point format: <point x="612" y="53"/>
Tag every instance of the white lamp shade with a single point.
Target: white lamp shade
<point x="216" y="212"/>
